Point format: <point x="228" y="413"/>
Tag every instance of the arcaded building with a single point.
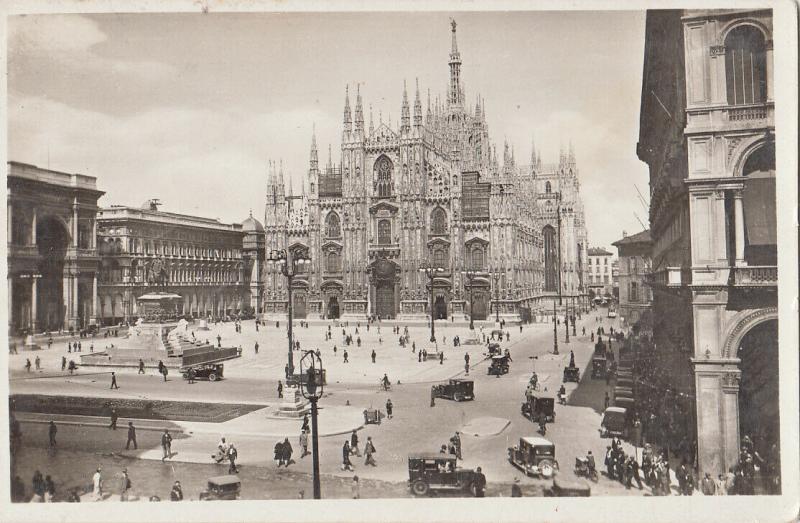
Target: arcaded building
<point x="432" y="189"/>
<point x="707" y="134"/>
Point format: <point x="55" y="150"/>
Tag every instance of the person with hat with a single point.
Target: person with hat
<point x="457" y="444"/>
<point x="479" y="483"/>
<point x="166" y="444"/>
<point x="177" y="492"/>
<point x="124" y="485"/>
<point x="516" y="491"/>
<point x="131" y="437"/>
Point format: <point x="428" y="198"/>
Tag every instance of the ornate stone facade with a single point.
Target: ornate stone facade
<point x="433" y="189"/>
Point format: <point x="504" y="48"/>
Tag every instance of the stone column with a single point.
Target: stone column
<point x="67" y="295"/>
<point x="770" y="72"/>
<point x="93" y="317"/>
<point x="10" y="228"/>
<point x="719" y="225"/>
<point x="10" y="292"/>
<point x="730" y="418"/>
<point x="75" y="302"/>
<point x="739" y="219"/>
<point x="75" y="223"/>
<point x="33" y="227"/>
<point x="34" y="295"/>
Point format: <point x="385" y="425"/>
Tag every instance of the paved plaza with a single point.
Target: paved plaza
<point x="489" y="424"/>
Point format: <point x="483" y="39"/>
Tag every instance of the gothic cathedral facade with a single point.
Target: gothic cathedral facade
<point x="429" y="192"/>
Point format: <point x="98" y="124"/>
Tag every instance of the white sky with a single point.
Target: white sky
<point x="188" y="108"/>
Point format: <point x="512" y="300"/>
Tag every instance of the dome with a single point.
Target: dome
<point x="252" y="225"/>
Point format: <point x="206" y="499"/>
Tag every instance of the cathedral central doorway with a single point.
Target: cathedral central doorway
<point x="384" y="300"/>
<point x="480" y="306"/>
<point x="440" y="308"/>
<point x="333" y="308"/>
<point x="299" y="306"/>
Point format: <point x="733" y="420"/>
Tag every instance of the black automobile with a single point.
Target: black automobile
<point x="538" y="407"/>
<point x="599" y="367"/>
<point x="455" y="389"/>
<point x="208" y="371"/>
<point x="499" y="366"/>
<point x="222" y="487"/>
<point x="429" y="472"/>
<point x="572" y="374"/>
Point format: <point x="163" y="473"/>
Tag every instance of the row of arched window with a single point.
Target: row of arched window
<point x="439" y="227"/>
<point x="148" y="247"/>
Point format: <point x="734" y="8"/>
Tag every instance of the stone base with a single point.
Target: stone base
<point x="30" y="344"/>
<point x="291" y="410"/>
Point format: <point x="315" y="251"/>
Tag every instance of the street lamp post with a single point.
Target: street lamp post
<point x="566" y="321"/>
<point x="431" y="271"/>
<point x="311" y="364"/>
<point x="574" y="312"/>
<point x="496" y="273"/>
<point x="290" y="266"/>
<point x="470" y="275"/>
<point x="555" y="330"/>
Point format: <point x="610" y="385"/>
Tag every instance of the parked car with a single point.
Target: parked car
<point x="430" y="472"/>
<point x="599" y="367"/>
<point x="534" y="456"/>
<point x="615" y="422"/>
<point x="372" y="416"/>
<point x="536" y="407"/>
<point x="222" y="487"/>
<point x="209" y="371"/>
<point x="455" y="389"/>
<point x="572" y="374"/>
<point x="494" y="349"/>
<point x="499" y="366"/>
<point x="563" y="488"/>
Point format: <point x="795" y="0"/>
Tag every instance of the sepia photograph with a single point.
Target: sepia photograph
<point x="401" y="258"/>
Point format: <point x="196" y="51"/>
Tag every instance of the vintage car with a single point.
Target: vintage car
<point x="207" y="371"/>
<point x="624" y="381"/>
<point x="599" y="367"/>
<point x="534" y="456"/>
<point x="624" y="402"/>
<point x="615" y="422"/>
<point x="430" y="472"/>
<point x="572" y="374"/>
<point x="623" y="392"/>
<point x="565" y="488"/>
<point x="499" y="366"/>
<point x="494" y="349"/>
<point x="455" y="389"/>
<point x="222" y="487"/>
<point x="536" y="407"/>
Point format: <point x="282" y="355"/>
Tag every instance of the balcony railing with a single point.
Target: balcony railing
<point x="747" y="113"/>
<point x="669" y="277"/>
<point x="755" y="276"/>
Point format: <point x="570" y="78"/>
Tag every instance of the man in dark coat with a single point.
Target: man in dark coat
<point x="51" y="431"/>
<point x="233" y="455"/>
<point x="287" y="452"/>
<point x="480" y="483"/>
<point x="131" y="437"/>
<point x="516" y="491"/>
<point x="114" y="416"/>
<point x="114" y="381"/>
<point x="346" y="465"/>
<point x="141" y="366"/>
<point x="354" y="444"/>
<point x="278" y="450"/>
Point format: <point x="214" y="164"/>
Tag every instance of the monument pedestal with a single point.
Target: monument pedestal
<point x="293" y="407"/>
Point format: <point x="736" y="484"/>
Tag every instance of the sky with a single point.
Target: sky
<point x="189" y="108"/>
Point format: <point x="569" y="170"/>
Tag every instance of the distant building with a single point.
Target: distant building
<point x="52" y="257"/>
<point x="601" y="272"/>
<point x="145" y="249"/>
<point x="707" y="134"/>
<point x="635" y="297"/>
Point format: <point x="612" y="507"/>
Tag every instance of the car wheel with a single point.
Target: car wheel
<point x="212" y="377"/>
<point x="420" y="488"/>
<point x="458" y="397"/>
<point x="546" y="468"/>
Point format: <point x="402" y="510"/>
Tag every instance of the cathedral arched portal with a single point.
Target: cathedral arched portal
<point x="384" y="282"/>
<point x="550" y="259"/>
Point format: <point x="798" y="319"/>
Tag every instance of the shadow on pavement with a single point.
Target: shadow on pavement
<point x="589" y="393"/>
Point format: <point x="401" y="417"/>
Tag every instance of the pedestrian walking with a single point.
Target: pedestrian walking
<point x="369" y="450"/>
<point x="287" y="452"/>
<point x="457" y="444"/>
<point x="479" y="482"/>
<point x="190" y="374"/>
<point x="176" y="494"/>
<point x="441" y="358"/>
<point x="346" y="465"/>
<point x="419" y="356"/>
<point x="373" y="355"/>
<point x="278" y="453"/>
<point x="303" y="444"/>
<point x="141" y="366"/>
<point x="49" y="489"/>
<point x="280" y="389"/>
<point x="131" y="437"/>
<point x="516" y="491"/>
<point x="389" y="407"/>
<point x="707" y="485"/>
<point x="125" y="485"/>
<point x="433" y="396"/>
<point x="114" y="381"/>
<point x="114" y="416"/>
<point x="355" y="489"/>
<point x="166" y="445"/>
<point x="354" y="444"/>
<point x="164" y="372"/>
<point x="345" y="355"/>
<point x="38" y="363"/>
<point x="38" y="487"/>
<point x="233" y="455"/>
<point x="97" y="485"/>
<point x="606" y="401"/>
<point x="51" y="432"/>
<point x="63" y="363"/>
<point x="256" y="345"/>
<point x="27" y="364"/>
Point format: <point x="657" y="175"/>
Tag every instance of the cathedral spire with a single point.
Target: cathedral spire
<point x="371" y="125"/>
<point x="330" y="157"/>
<point x="429" y="115"/>
<point x="455" y="94"/>
<point x="417" y="108"/>
<point x="348" y="118"/>
<point x="405" y="117"/>
<point x="571" y="157"/>
<point x="359" y="110"/>
<point x="314" y="164"/>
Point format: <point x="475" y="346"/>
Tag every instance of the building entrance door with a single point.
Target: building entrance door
<point x="384" y="300"/>
<point x="480" y="306"/>
<point x="333" y="308"/>
<point x="440" y="308"/>
<point x="299" y="306"/>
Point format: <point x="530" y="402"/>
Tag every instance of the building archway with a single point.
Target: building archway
<point x="299" y="305"/>
<point x="440" y="308"/>
<point x="550" y="259"/>
<point x="384" y="277"/>
<point x="333" y="308"/>
<point x="480" y="305"/>
<point x="52" y="240"/>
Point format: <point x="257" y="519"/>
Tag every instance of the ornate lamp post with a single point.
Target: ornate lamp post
<point x="555" y="330"/>
<point x="566" y="321"/>
<point x="430" y="271"/>
<point x="290" y="266"/>
<point x="574" y="311"/>
<point x="470" y="275"/>
<point x="495" y="274"/>
<point x="311" y="366"/>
